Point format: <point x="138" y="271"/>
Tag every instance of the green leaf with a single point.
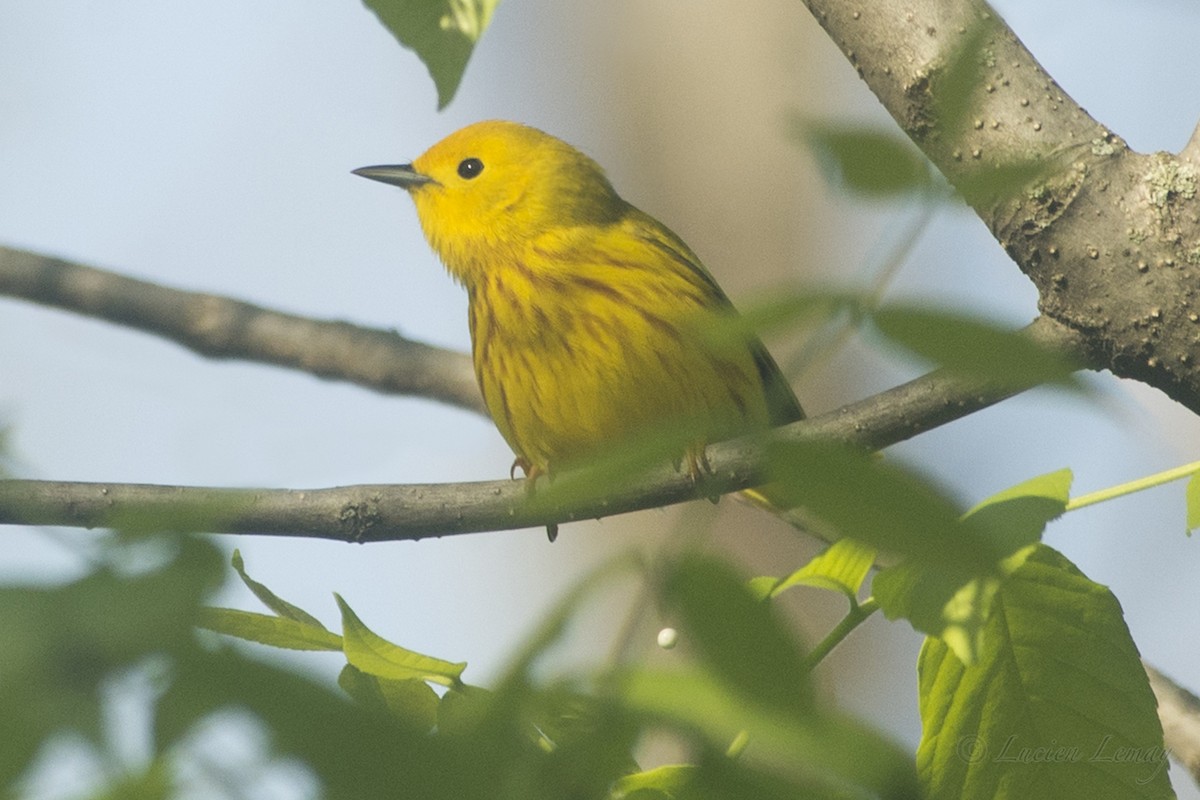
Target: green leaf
<point x="669" y="780"/>
<point x="875" y="502"/>
<point x="954" y="604"/>
<point x="442" y="32"/>
<point x="958" y="81"/>
<point x="155" y="782"/>
<point x="1057" y="705"/>
<point x="993" y="183"/>
<point x="269" y="630"/>
<point x="842" y="567"/>
<point x="1193" y="503"/>
<point x="357" y="752"/>
<point x="732" y="332"/>
<point x="957" y="89"/>
<point x="377" y="656"/>
<point x="812" y="750"/>
<point x="951" y="604"/>
<point x="586" y="742"/>
<point x="974" y="348"/>
<point x="63" y="644"/>
<point x="866" y="161"/>
<point x="1018" y="515"/>
<point x="412" y="701"/>
<point x="618" y="464"/>
<point x="273" y="601"/>
<point x="464" y="709"/>
<point x="740" y="638"/>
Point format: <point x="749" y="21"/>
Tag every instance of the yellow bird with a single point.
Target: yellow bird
<point x="587" y="316"/>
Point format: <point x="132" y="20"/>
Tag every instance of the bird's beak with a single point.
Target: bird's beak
<point x="402" y="175"/>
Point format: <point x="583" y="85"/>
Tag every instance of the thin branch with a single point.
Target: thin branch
<point x="392" y="512"/>
<point x="219" y="327"/>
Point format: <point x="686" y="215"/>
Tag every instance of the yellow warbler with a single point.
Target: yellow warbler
<point x="587" y="316"/>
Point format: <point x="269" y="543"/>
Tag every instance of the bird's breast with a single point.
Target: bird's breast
<point x="569" y="365"/>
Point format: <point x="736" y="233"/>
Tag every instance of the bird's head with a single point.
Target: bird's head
<point x="489" y="188"/>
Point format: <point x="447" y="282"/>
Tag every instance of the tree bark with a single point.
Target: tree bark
<point x="1110" y="237"/>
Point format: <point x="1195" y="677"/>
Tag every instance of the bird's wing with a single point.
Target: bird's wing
<point x="781" y="400"/>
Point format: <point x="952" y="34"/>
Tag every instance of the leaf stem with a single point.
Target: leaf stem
<point x="856" y="616"/>
<point x="1120" y="490"/>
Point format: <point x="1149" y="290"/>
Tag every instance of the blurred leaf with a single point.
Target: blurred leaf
<point x="273" y="601"/>
<point x="154" y="783"/>
<point x="740" y="638"/>
<point x="377" y="656"/>
<point x="182" y="515"/>
<point x="269" y="630"/>
<point x="991" y="183"/>
<point x="6" y="465"/>
<point x="540" y="741"/>
<point x="412" y="701"/>
<point x="954" y="603"/>
<point x="463" y="709"/>
<point x="956" y="89"/>
<point x="951" y="604"/>
<point x="1057" y="705"/>
<point x="442" y="32"/>
<point x="810" y="750"/>
<point x="61" y="644"/>
<point x="357" y="751"/>
<point x="865" y="161"/>
<point x="1193" y="503"/>
<point x="732" y="332"/>
<point x="974" y="348"/>
<point x="588" y="741"/>
<point x="720" y="778"/>
<point x="955" y="85"/>
<point x="670" y="781"/>
<point x="618" y="464"/>
<point x="877" y="503"/>
<point x="842" y="567"/>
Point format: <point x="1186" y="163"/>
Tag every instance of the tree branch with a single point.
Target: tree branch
<point x="391" y="512"/>
<point x="218" y="327"/>
<point x="1110" y="237"/>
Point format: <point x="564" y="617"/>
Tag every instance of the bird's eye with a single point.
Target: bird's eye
<point x="469" y="167"/>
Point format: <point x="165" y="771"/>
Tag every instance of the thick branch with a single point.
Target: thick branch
<point x="384" y="513"/>
<point x="218" y="327"/>
<point x="1110" y="237"/>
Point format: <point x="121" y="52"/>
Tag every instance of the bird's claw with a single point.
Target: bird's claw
<point x="700" y="471"/>
<point x="532" y="473"/>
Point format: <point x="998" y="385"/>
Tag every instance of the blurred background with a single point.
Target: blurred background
<point x="209" y="147"/>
